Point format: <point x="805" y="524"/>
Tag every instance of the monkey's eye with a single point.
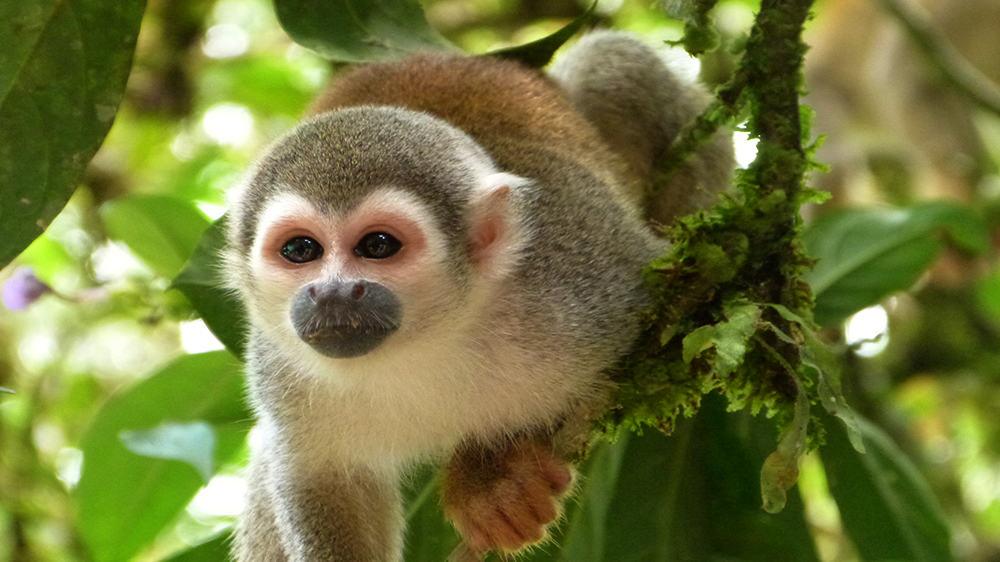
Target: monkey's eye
<point x="301" y="249"/>
<point x="377" y="246"/>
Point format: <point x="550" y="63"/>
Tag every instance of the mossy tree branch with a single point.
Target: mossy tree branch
<point x="728" y="265"/>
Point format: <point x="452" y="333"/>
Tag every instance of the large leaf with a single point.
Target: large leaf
<point x="886" y="506"/>
<point x="124" y="500"/>
<point x="867" y="254"/>
<point x="202" y="283"/>
<point x="692" y="496"/>
<point x="162" y="230"/>
<point x="359" y="30"/>
<point x="63" y="70"/>
<point x="696" y="496"/>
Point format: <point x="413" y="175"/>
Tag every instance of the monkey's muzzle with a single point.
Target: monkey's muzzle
<point x="345" y="319"/>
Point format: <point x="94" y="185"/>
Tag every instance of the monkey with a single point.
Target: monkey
<point x="441" y="263"/>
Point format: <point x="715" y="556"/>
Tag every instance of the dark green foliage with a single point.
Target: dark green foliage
<point x="203" y="284"/>
<point x="884" y="502"/>
<point x="539" y="53"/>
<point x="62" y="76"/>
<point x="359" y="30"/>
<point x="865" y="255"/>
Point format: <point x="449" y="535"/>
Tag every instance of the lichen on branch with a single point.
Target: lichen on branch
<point x="732" y="313"/>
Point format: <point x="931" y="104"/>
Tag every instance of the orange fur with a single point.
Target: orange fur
<point x="496" y="102"/>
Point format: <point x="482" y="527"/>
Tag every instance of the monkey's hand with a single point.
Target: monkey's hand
<point x="504" y="498"/>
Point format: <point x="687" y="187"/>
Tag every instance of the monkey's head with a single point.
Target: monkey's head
<point x="366" y="226"/>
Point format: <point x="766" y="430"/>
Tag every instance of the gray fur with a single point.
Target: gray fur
<point x="639" y="106"/>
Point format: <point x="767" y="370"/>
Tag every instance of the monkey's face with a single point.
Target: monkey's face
<point x="346" y="282"/>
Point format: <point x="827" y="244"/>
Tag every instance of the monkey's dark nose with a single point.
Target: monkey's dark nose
<point x="345" y="318"/>
<point x="337" y="292"/>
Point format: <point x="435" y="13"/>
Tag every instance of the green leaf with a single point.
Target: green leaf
<point x="214" y="550"/>
<point x="697" y="341"/>
<point x="824" y="367"/>
<point x="193" y="443"/>
<point x="781" y="469"/>
<point x="584" y="536"/>
<point x="359" y="30"/>
<point x="62" y="77"/>
<point x="265" y="84"/>
<point x="429" y="537"/>
<point x="867" y="254"/>
<point x="124" y="500"/>
<point x="202" y="283"/>
<point x="886" y="507"/>
<point x="161" y="230"/>
<point x="538" y="53"/>
<point x="729" y="338"/>
<point x="696" y="495"/>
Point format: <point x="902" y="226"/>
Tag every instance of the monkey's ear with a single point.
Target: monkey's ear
<point x="491" y="228"/>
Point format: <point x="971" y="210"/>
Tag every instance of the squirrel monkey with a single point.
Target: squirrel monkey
<point x="441" y="265"/>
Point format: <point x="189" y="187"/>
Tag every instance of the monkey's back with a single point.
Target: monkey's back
<point x="492" y="100"/>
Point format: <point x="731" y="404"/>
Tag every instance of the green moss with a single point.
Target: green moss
<point x="732" y="314"/>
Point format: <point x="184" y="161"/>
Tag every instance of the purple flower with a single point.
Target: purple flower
<point x="22" y="289"/>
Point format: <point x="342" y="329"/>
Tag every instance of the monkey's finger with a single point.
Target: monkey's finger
<point x="523" y="517"/>
<point x="514" y="528"/>
<point x="559" y="477"/>
<point x="537" y="498"/>
<point x="557" y="474"/>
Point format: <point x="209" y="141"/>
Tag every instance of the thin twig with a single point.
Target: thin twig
<point x="944" y="56"/>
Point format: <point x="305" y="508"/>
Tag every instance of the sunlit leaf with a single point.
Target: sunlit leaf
<point x="63" y="70"/>
<point x="192" y="442"/>
<point x="123" y="499"/>
<point x="163" y="231"/>
<point x="264" y="84"/>
<point x="867" y="254"/>
<point x="886" y="506"/>
<point x="215" y="550"/>
<point x="359" y="30"/>
<point x="202" y="283"/>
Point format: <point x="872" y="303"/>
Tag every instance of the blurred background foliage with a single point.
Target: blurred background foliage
<point x="125" y="433"/>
